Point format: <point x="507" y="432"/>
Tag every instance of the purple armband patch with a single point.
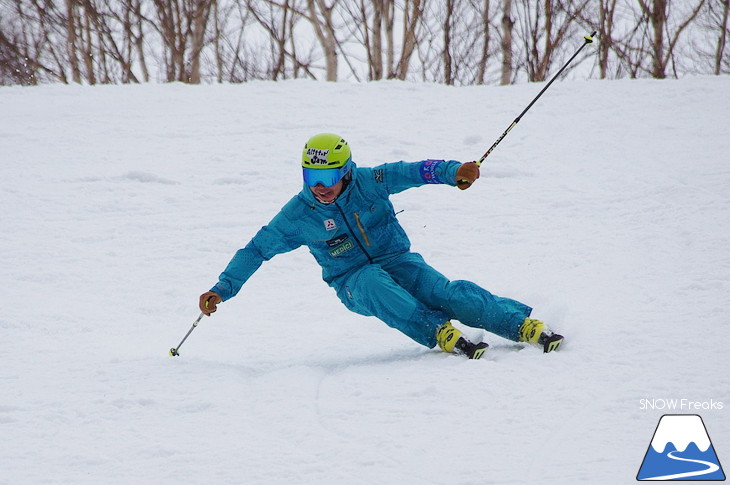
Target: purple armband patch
<point x="428" y="171"/>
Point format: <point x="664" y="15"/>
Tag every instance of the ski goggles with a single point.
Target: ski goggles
<point x="325" y="176"/>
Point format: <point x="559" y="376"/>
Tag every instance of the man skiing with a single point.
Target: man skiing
<point x="344" y="216"/>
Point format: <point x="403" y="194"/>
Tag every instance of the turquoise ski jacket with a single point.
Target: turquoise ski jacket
<point x="357" y="229"/>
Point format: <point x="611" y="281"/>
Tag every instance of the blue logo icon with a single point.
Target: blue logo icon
<point x="681" y="450"/>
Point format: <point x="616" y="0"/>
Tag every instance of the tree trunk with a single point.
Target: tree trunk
<point x="87" y="49"/>
<point x="324" y="30"/>
<point x="71" y="41"/>
<point x="413" y="10"/>
<point x="447" y="43"/>
<point x="719" y="53"/>
<point x="139" y="41"/>
<point x="485" y="46"/>
<point x="507" y="25"/>
<point x="179" y="41"/>
<point x="389" y="20"/>
<point x="656" y="12"/>
<point x="658" y="20"/>
<point x="605" y="34"/>
<point x="376" y="57"/>
<point x="200" y="22"/>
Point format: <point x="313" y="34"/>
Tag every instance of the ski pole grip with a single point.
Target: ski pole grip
<point x="469" y="174"/>
<point x="463" y="181"/>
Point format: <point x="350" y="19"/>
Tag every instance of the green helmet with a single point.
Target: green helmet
<point x="326" y="159"/>
<point x="325" y="150"/>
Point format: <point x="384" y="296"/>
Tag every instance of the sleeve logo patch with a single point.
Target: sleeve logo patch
<point x="429" y="171"/>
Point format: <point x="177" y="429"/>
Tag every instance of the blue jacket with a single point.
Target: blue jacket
<point x="359" y="228"/>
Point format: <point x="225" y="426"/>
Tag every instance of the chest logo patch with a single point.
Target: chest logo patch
<point x="339" y="245"/>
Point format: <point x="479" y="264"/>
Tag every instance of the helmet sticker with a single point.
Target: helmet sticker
<point x="317" y="156"/>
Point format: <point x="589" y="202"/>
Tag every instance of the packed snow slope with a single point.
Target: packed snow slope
<point x="607" y="209"/>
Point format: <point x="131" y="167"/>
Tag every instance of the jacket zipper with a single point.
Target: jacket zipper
<point x="349" y="228"/>
<point x="362" y="229"/>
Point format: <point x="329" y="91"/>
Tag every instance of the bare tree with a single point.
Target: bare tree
<point x="320" y="16"/>
<point x="376" y="30"/>
<point x="375" y="47"/>
<point x="720" y="57"/>
<point x="446" y="52"/>
<point x="27" y="55"/>
<point x="274" y="18"/>
<point x="108" y="41"/>
<point x="655" y="36"/>
<point x="182" y="25"/>
<point x="367" y="28"/>
<point x="465" y="32"/>
<point x="543" y="29"/>
<point x="607" y="11"/>
<point x="109" y="47"/>
<point x="230" y="26"/>
<point x="412" y="15"/>
<point x="506" y="43"/>
<point x="133" y="21"/>
<point x="600" y="17"/>
<point x="656" y="12"/>
<point x="715" y="22"/>
<point x="482" y="66"/>
<point x="71" y="40"/>
<point x="51" y="27"/>
<point x="200" y="16"/>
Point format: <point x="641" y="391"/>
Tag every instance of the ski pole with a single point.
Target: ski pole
<point x="588" y="39"/>
<point x="174" y="350"/>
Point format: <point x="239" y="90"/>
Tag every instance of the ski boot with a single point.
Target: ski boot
<point x="453" y="341"/>
<point x="537" y="333"/>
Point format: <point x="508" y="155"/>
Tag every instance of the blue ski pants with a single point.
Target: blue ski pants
<point x="409" y="295"/>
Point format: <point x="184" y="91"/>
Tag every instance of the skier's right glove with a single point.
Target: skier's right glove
<point x="209" y="301"/>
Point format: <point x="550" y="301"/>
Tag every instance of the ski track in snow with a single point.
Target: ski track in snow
<point x="607" y="209"/>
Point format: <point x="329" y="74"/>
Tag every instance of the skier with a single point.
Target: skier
<point x="344" y="216"/>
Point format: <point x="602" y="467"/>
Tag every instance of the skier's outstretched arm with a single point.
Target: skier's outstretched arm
<point x="279" y="236"/>
<point x="400" y="176"/>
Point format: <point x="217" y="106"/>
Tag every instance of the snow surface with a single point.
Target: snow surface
<point x="607" y="209"/>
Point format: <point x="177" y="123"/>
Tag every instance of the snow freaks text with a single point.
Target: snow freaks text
<point x="680" y="405"/>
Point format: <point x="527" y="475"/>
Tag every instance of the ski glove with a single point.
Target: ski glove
<point x="467" y="175"/>
<point x="209" y="301"/>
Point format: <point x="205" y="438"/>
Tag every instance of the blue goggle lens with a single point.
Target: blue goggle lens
<point x="325" y="176"/>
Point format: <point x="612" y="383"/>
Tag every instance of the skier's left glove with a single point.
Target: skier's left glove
<point x="208" y="302"/>
<point x="466" y="175"/>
